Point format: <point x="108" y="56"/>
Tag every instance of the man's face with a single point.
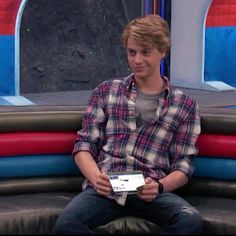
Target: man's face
<point x="144" y="62"/>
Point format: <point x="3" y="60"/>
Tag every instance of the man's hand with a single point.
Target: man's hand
<point x="149" y="191"/>
<point x="103" y="185"/>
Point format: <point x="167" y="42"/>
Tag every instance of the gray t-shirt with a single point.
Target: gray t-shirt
<point x="146" y="106"/>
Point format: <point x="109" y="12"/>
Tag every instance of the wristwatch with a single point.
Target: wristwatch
<point x="160" y="187"/>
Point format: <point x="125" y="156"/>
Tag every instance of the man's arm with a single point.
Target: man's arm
<point x="183" y="147"/>
<point x="88" y="167"/>
<point x="174" y="180"/>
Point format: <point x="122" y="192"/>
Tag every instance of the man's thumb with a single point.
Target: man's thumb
<point x="148" y="180"/>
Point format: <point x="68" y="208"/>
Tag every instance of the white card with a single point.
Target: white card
<point x="126" y="181"/>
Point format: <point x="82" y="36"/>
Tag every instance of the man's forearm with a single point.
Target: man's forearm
<point x="87" y="166"/>
<point x="174" y="180"/>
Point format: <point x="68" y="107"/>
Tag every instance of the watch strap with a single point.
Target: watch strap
<point x="160" y="187"/>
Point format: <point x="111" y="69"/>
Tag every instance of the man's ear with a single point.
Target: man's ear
<point x="163" y="55"/>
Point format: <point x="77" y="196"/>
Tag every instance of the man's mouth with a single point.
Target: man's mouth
<point x="138" y="68"/>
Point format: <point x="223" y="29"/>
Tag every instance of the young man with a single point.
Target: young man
<point x="137" y="123"/>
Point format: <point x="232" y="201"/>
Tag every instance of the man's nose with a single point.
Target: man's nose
<point x="138" y="58"/>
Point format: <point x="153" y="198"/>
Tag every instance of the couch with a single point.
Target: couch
<point x="38" y="176"/>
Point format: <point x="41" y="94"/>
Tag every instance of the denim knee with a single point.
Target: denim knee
<point x="66" y="227"/>
<point x="194" y="223"/>
<point x="60" y="227"/>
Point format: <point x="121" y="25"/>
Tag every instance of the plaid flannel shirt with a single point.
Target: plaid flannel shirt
<point x="162" y="145"/>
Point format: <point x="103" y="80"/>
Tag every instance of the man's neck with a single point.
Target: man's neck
<point x="151" y="85"/>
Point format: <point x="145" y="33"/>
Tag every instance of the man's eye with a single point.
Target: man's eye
<point x="131" y="52"/>
<point x="146" y="52"/>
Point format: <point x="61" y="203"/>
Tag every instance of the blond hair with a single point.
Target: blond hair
<point x="148" y="31"/>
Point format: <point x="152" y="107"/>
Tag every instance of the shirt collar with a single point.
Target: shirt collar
<point x="168" y="88"/>
<point x="130" y="84"/>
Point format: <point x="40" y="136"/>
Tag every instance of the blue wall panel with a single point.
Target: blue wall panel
<point x="7" y="65"/>
<point x="220" y="54"/>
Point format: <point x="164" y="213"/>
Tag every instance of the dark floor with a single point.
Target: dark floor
<point x="203" y="97"/>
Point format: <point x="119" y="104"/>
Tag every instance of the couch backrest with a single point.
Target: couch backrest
<point x="36" y="145"/>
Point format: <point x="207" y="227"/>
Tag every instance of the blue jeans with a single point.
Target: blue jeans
<point x="89" y="210"/>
